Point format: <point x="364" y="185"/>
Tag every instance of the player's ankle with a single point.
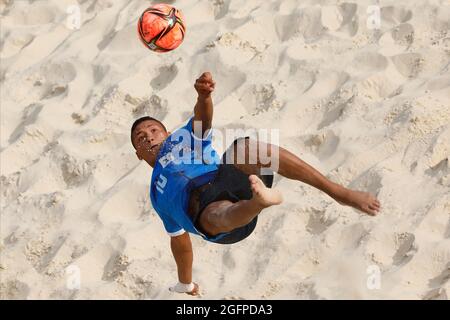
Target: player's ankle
<point x="257" y="203"/>
<point x="341" y="194"/>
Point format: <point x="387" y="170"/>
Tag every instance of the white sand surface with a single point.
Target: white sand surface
<point x="369" y="108"/>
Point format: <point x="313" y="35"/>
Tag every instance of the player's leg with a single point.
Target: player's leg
<point x="246" y="156"/>
<point x="224" y="216"/>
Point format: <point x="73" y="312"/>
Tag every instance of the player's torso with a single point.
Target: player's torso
<point x="178" y="171"/>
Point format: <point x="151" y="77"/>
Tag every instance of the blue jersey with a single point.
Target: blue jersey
<point x="183" y="163"/>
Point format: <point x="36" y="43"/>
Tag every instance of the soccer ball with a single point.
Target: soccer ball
<point x="161" y="27"/>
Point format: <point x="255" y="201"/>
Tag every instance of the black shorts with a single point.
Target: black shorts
<point x="230" y="184"/>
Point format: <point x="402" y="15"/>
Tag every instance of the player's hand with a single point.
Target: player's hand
<point x="183" y="288"/>
<point x="205" y="84"/>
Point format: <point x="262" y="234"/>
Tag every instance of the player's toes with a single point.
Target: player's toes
<point x="255" y="189"/>
<point x="254" y="183"/>
<point x="253" y="179"/>
<point x="372" y="210"/>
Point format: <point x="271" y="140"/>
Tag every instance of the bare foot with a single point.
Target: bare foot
<point x="264" y="196"/>
<point x="195" y="291"/>
<point x="362" y="201"/>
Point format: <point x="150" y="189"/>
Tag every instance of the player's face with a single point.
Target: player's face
<point x="148" y="136"/>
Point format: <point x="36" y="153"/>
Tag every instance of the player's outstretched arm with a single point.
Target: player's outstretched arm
<point x="182" y="251"/>
<point x="203" y="110"/>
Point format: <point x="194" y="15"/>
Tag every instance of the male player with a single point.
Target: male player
<point x="195" y="191"/>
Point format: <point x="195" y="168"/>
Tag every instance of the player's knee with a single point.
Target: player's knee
<point x="246" y="151"/>
<point x="256" y="152"/>
<point x="247" y="154"/>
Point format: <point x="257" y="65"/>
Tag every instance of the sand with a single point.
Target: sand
<point x="369" y="108"/>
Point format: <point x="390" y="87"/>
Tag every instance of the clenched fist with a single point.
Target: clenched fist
<point x="205" y="84"/>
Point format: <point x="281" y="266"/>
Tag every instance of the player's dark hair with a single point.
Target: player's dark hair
<point x="142" y="119"/>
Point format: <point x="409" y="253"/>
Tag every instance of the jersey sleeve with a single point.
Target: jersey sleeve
<point x="204" y="145"/>
<point x="192" y="125"/>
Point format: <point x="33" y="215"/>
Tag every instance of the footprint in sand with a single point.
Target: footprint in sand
<point x="47" y="263"/>
<point x="440" y="170"/>
<point x="56" y="79"/>
<point x="40" y="252"/>
<point x="349" y="18"/>
<point x="340" y="18"/>
<point x="326" y="83"/>
<point x="440" y="21"/>
<point x="115" y="267"/>
<point x="29" y="116"/>
<point x="317" y="222"/>
<point x="436" y="294"/>
<point x="165" y="76"/>
<point x="440" y="285"/>
<point x="403" y="34"/>
<point x="99" y="72"/>
<point x="333" y="114"/>
<point x="10" y="188"/>
<point x="156" y="106"/>
<point x="14" y="290"/>
<point x="228" y="260"/>
<point x="267" y="245"/>
<point x="395" y="15"/>
<point x="406" y="248"/>
<point x="260" y="98"/>
<point x="286" y="26"/>
<point x="305" y="21"/>
<point x="27" y="148"/>
<point x="221" y="8"/>
<point x="323" y="145"/>
<point x="75" y="171"/>
<point x="408" y="64"/>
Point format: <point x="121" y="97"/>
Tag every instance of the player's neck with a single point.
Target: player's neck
<point x="151" y="158"/>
